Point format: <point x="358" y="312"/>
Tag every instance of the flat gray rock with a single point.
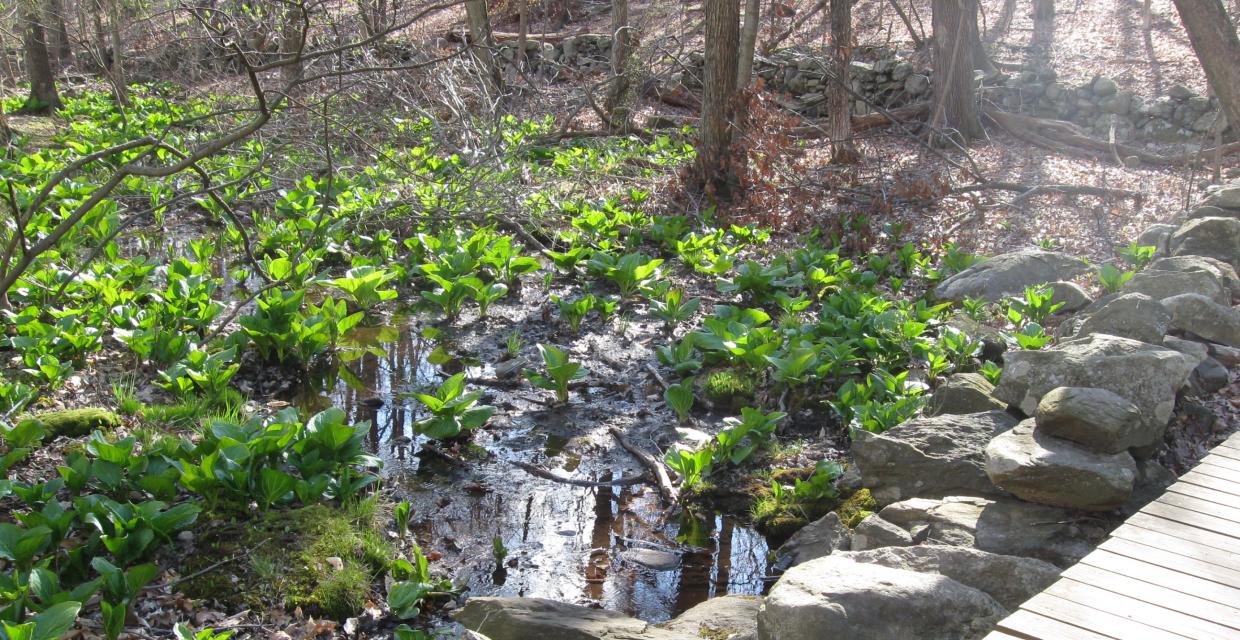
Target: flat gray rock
<point x="1131" y="315"/>
<point x="1095" y="418"/>
<point x="963" y="393"/>
<point x="873" y="532"/>
<point x="1040" y="468"/>
<point x="1159" y="284"/>
<point x="527" y="618"/>
<point x="1204" y="317"/>
<point x="1008" y="274"/>
<point x="1211" y="237"/>
<point x="819" y="538"/>
<point x="731" y="617"/>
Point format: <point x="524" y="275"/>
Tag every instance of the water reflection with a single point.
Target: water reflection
<point x="564" y="542"/>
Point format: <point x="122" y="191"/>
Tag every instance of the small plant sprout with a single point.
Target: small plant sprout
<point x="364" y="285"/>
<point x="402" y="512"/>
<point x="680" y="398"/>
<point x="453" y="411"/>
<point x="1035" y="306"/>
<point x="498" y="551"/>
<point x="557" y="372"/>
<point x="673" y="308"/>
<point x="513" y="343"/>
<point x="693" y="467"/>
<point x="1112" y="278"/>
<point x="1137" y="255"/>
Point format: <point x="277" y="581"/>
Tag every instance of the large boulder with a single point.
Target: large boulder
<point x="1048" y="470"/>
<point x="964" y="393"/>
<point x="837" y="597"/>
<point x="725" y="617"/>
<point x="1225" y="197"/>
<point x="1004" y="525"/>
<point x="873" y="532"/>
<point x="1143" y="374"/>
<point x="1204" y="317"/>
<point x="1224" y="273"/>
<point x="1156" y="236"/>
<point x="1159" y="284"/>
<point x="1096" y="418"/>
<point x="1008" y="274"/>
<point x="1010" y="580"/>
<point x="815" y="540"/>
<point x="1211" y="237"/>
<point x="937" y="456"/>
<point x="1132" y="315"/>
<point x="525" y="618"/>
<point x="1072" y="296"/>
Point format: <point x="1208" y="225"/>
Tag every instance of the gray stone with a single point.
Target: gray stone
<point x="1223" y="273"/>
<point x="525" y="618"/>
<point x="1132" y="315"/>
<point x="1208" y="377"/>
<point x="1104" y="86"/>
<point x="1008" y="274"/>
<point x="1071" y="295"/>
<point x="936" y="456"/>
<point x="873" y="532"/>
<point x="917" y="84"/>
<point x="730" y="617"/>
<point x="1212" y="237"/>
<point x="1010" y="580"/>
<point x="1204" y="317"/>
<point x="1095" y="418"/>
<point x="1180" y="92"/>
<point x="1152" y="481"/>
<point x="1143" y="374"/>
<point x="1197" y="350"/>
<point x="1004" y="525"/>
<point x="1157" y="235"/>
<point x="1040" y="468"/>
<point x="1226" y="197"/>
<point x="963" y="393"/>
<point x="1159" y="284"/>
<point x="1207" y="211"/>
<point x="652" y="559"/>
<point x="837" y="597"/>
<point x="815" y="540"/>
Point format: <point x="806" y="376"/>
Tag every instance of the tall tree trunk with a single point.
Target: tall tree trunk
<point x="483" y="46"/>
<point x="1214" y="40"/>
<point x="839" y="113"/>
<point x="749" y="39"/>
<point x="1045" y="9"/>
<point x="953" y="112"/>
<point x="116" y="72"/>
<point x="621" y="95"/>
<point x="292" y="25"/>
<point x="43" y="94"/>
<point x="716" y="167"/>
<point x="59" y="37"/>
<point x="523" y="32"/>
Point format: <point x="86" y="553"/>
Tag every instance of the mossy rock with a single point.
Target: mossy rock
<point x="729" y="388"/>
<point x="857" y="507"/>
<point x="283" y="562"/>
<point x="74" y="423"/>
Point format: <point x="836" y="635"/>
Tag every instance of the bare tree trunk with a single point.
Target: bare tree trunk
<point x="43" y="94"/>
<point x="839" y="112"/>
<point x="523" y="31"/>
<point x="483" y="46"/>
<point x="621" y="96"/>
<point x="59" y="37"/>
<point x="716" y="166"/>
<point x="1045" y="9"/>
<point x="116" y="72"/>
<point x="292" y="27"/>
<point x="954" y="112"/>
<point x="749" y="39"/>
<point x="1218" y="48"/>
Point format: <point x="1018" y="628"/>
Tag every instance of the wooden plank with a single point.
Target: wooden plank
<point x="1214" y="471"/>
<point x="1224" y="558"/>
<point x="1163" y="577"/>
<point x="1182" y="531"/>
<point x="1140" y="611"/>
<point x="1200" y="480"/>
<point x="1027" y="624"/>
<point x="1227" y="445"/>
<point x="1222" y="461"/>
<point x="1194" y="519"/>
<point x="1225" y="452"/>
<point x="999" y="635"/>
<point x="1168" y="558"/>
<point x="1187" y="604"/>
<point x="1233" y="440"/>
<point x="1202" y="493"/>
<point x="1088" y="617"/>
<point x="1193" y="503"/>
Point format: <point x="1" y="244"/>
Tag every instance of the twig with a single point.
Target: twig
<point x="540" y="472"/>
<point x="667" y="490"/>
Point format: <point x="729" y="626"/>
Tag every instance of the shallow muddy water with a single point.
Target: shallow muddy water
<point x="613" y="546"/>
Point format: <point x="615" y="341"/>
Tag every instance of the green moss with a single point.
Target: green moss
<point x="75" y="423"/>
<point x="729" y="388"/>
<point x="288" y="564"/>
<point x="857" y="507"/>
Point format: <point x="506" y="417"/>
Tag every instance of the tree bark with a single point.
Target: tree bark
<point x="749" y="39"/>
<point x="292" y="24"/>
<point x="622" y="94"/>
<point x="59" y="38"/>
<point x="839" y="103"/>
<point x="116" y="72"/>
<point x="1045" y="9"/>
<point x="482" y="45"/>
<point x="1214" y="39"/>
<point x="43" y="94"/>
<point x="954" y="112"/>
<point x="716" y="168"/>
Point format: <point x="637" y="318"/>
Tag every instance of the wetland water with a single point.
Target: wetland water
<point x="611" y="546"/>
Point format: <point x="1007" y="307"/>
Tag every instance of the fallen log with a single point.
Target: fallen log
<point x="540" y="472"/>
<point x="667" y="490"/>
<point x="460" y="34"/>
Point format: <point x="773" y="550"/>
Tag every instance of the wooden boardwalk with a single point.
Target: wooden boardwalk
<point x="1171" y="571"/>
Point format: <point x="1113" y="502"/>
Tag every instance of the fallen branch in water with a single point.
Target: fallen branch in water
<point x="667" y="490"/>
<point x="540" y="472"/>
